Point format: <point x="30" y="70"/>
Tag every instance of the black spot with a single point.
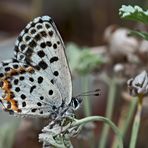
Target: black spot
<point x="12" y="95"/>
<point x="8" y="105"/>
<point x="33" y="24"/>
<point x="16" y="49"/>
<point x="27" y="38"/>
<point x="37" y="67"/>
<point x="43" y="33"/>
<point x="15" y="81"/>
<point x="19" y="38"/>
<point x="50" y="33"/>
<point x="47" y="26"/>
<point x="50" y="92"/>
<point x="33" y="110"/>
<point x="41" y="112"/>
<point x="37" y="37"/>
<point x="39" y="104"/>
<point x="33" y="31"/>
<point x="32" y="71"/>
<point x="26" y="30"/>
<point x="23" y="46"/>
<point x="54" y="107"/>
<point x="58" y="42"/>
<point x="29" y="52"/>
<point x="15" y="66"/>
<point x="41" y="98"/>
<point x="23" y="96"/>
<point x="56" y="73"/>
<point x="23" y="104"/>
<point x="51" y="21"/>
<point x="22" y="78"/>
<point x="17" y="89"/>
<point x="31" y="79"/>
<point x="32" y="44"/>
<point x="5" y="64"/>
<point x="39" y="26"/>
<point x="40" y="21"/>
<point x="49" y="44"/>
<point x="1" y="74"/>
<point x="41" y="53"/>
<point x="55" y="46"/>
<point x="40" y="80"/>
<point x="26" y="66"/>
<point x="54" y="59"/>
<point x="52" y="81"/>
<point x="21" y="57"/>
<point x="42" y="64"/>
<point x="22" y="71"/>
<point x="1" y="83"/>
<point x="43" y="45"/>
<point x="32" y="88"/>
<point x="14" y="60"/>
<point x="11" y="112"/>
<point x="7" y="69"/>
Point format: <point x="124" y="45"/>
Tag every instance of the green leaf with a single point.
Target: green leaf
<point x="135" y="13"/>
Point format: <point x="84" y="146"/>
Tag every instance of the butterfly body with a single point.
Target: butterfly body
<point x="37" y="81"/>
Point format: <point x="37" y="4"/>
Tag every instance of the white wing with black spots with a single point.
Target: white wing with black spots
<point x="41" y="46"/>
<point x="34" y="94"/>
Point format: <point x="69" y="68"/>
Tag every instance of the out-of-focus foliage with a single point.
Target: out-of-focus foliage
<point x="82" y="60"/>
<point x="135" y="13"/>
<point x="144" y="35"/>
<point x="7" y="135"/>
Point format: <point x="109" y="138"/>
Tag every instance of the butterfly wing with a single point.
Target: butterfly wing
<point x="46" y="84"/>
<point x="26" y="91"/>
<point x="40" y="45"/>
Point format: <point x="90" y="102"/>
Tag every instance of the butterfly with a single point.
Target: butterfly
<point x="37" y="82"/>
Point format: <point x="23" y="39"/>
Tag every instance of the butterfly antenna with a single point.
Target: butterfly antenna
<point x="90" y="93"/>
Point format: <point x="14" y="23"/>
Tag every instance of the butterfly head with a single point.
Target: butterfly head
<point x="75" y="102"/>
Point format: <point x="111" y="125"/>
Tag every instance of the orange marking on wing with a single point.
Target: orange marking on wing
<point x="10" y="97"/>
<point x="7" y="87"/>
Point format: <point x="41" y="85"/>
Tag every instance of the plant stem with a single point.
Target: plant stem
<point x="86" y="102"/>
<point x="125" y="119"/>
<point x="136" y="123"/>
<point x="109" y="111"/>
<point x="103" y="119"/>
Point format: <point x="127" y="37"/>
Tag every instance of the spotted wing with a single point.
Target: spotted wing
<point x="26" y="91"/>
<point x="40" y="46"/>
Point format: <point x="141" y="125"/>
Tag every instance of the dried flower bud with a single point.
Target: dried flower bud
<point x="139" y="84"/>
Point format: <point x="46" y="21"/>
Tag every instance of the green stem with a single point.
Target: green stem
<point x="109" y="111"/>
<point x="125" y="119"/>
<point x="129" y="116"/>
<point x="86" y="101"/>
<point x="103" y="119"/>
<point x="136" y="123"/>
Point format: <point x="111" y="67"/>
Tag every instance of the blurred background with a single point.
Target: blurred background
<point x="96" y="39"/>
